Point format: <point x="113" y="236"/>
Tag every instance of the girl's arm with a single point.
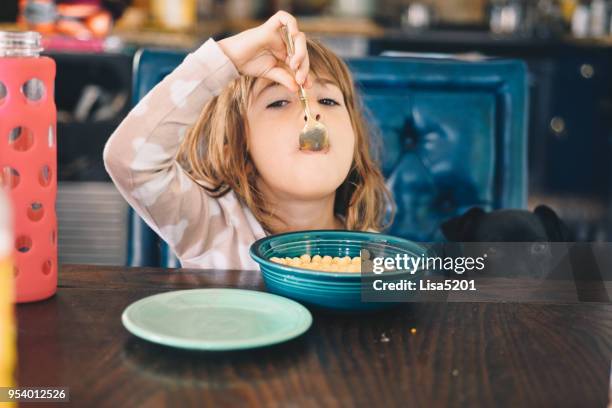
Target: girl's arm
<point x="140" y="155"/>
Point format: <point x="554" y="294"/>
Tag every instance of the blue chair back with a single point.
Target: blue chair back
<point x="453" y="136"/>
<point x="145" y="247"/>
<point x="450" y="135"/>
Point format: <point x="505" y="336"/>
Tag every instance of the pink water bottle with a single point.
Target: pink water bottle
<point x="28" y="160"/>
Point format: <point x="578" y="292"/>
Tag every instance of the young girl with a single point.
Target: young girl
<point x="211" y="189"/>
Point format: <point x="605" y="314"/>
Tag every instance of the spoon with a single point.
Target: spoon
<point x="314" y="134"/>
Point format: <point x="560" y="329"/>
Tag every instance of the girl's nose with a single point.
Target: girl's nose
<point x="317" y="117"/>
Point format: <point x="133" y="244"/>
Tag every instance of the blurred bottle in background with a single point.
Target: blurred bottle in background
<point x="592" y="19"/>
<point x="567" y="9"/>
<point x="598" y="18"/>
<point x="175" y="14"/>
<point x="505" y="16"/>
<point x="353" y="8"/>
<point x="580" y="20"/>
<point x="541" y="18"/>
<point x="241" y="9"/>
<point x="417" y="16"/>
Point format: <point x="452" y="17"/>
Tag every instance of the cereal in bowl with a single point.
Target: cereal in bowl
<point x="324" y="263"/>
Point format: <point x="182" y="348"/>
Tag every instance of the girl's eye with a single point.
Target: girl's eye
<point x="283" y="102"/>
<point x="278" y="104"/>
<point x="328" y="102"/>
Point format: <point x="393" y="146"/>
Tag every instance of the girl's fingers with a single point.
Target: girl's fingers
<point x="302" y="72"/>
<point x="282" y="18"/>
<point x="283" y="77"/>
<point x="309" y="81"/>
<point x="275" y="40"/>
<point x="300" y="62"/>
<point x="279" y="53"/>
<point x="299" y="45"/>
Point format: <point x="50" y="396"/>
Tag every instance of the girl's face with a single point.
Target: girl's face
<point x="275" y="119"/>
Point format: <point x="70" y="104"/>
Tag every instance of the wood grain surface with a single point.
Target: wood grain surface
<point x="459" y="354"/>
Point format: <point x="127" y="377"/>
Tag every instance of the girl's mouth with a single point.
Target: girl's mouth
<point x="323" y="151"/>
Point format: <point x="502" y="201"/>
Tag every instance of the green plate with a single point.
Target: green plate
<point x="216" y="319"/>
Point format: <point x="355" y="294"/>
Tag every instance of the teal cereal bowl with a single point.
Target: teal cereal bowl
<point x="328" y="290"/>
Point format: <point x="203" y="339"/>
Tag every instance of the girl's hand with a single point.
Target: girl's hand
<point x="261" y="52"/>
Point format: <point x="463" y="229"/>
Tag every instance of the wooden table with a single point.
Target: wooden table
<point x="462" y="354"/>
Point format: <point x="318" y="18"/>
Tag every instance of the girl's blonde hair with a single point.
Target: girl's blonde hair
<point x="215" y="151"/>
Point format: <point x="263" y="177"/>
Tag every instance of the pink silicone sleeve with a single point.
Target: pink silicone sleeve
<point x="35" y="229"/>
